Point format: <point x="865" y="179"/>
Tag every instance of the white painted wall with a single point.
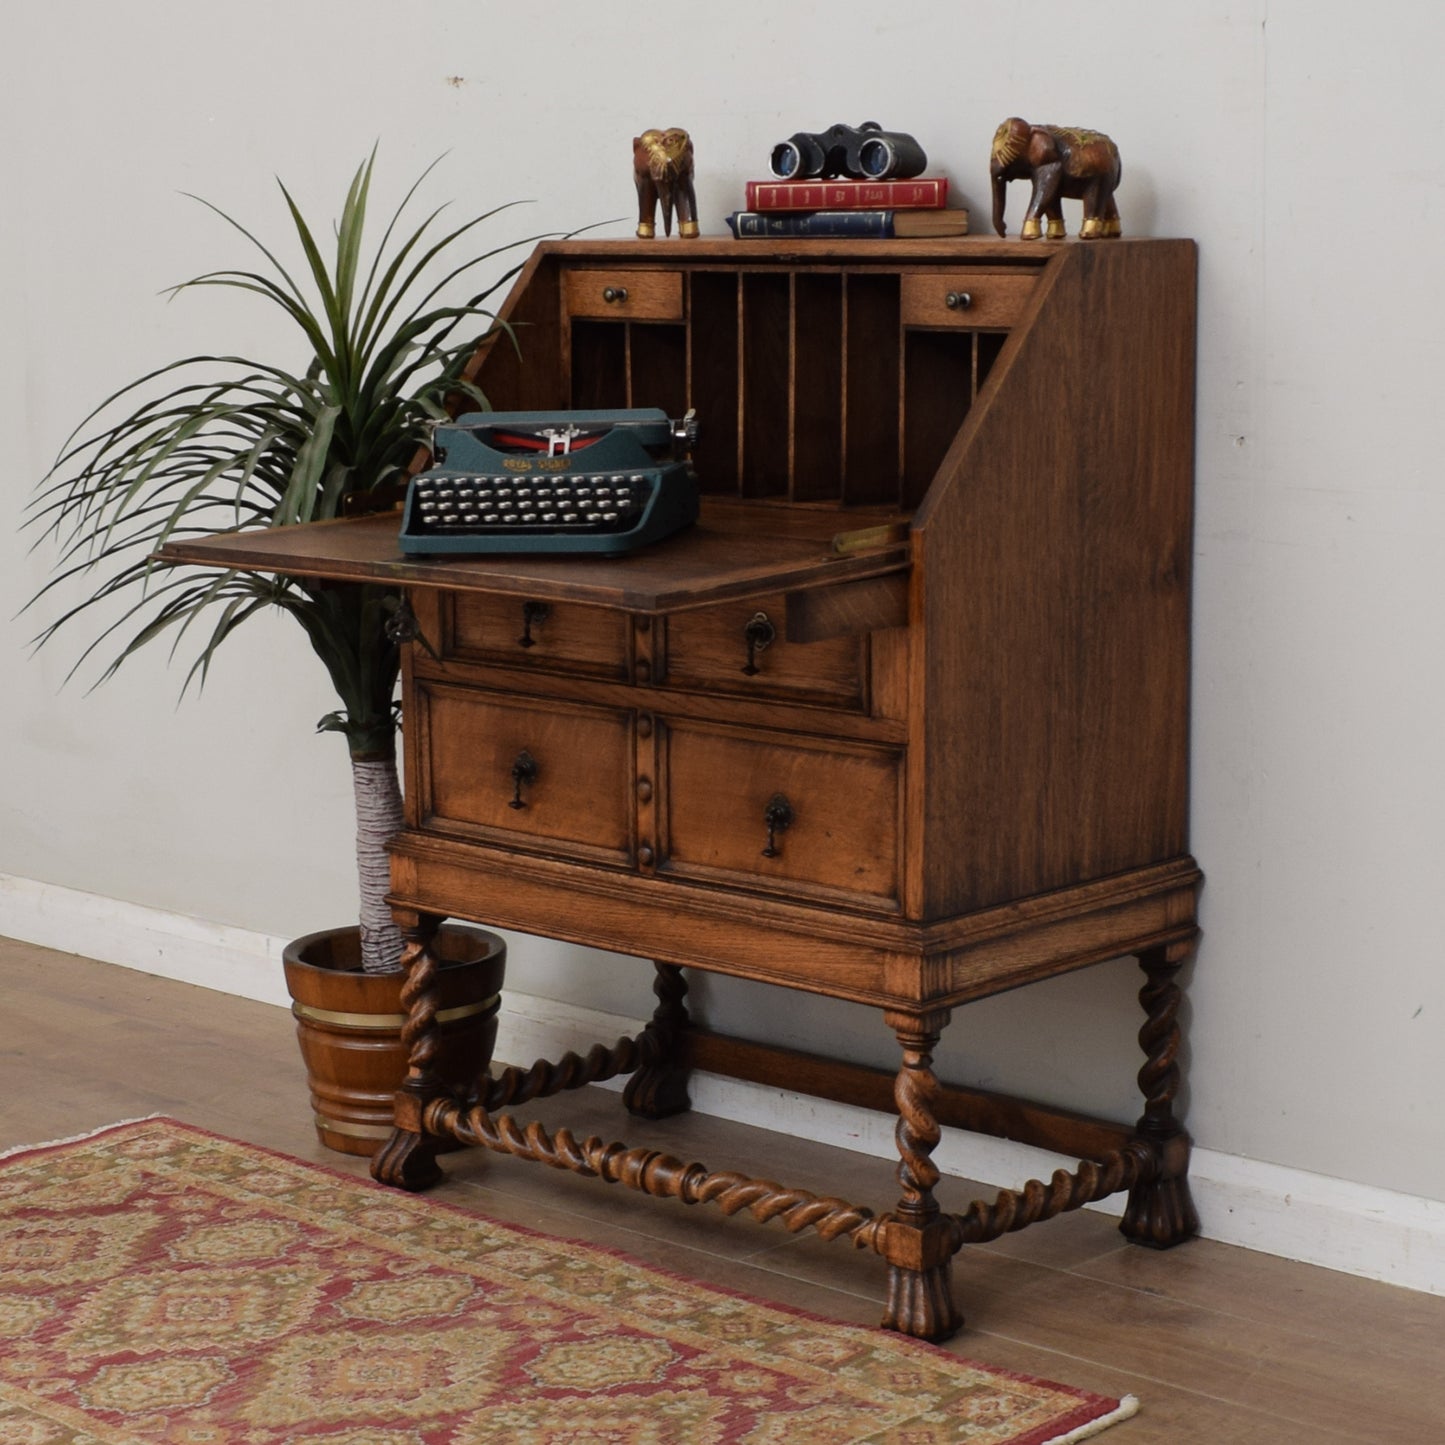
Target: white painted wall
<point x="1294" y="140"/>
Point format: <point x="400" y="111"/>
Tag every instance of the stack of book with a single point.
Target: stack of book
<point x="848" y="208"/>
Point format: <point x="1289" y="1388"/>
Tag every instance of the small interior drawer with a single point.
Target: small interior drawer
<point x="708" y="649"/>
<point x="976" y="299"/>
<point x="624" y="295"/>
<point x="834" y="808"/>
<point x="523" y="632"/>
<point x="521" y="772"/>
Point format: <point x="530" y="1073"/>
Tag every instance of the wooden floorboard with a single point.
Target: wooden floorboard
<point x="1222" y="1345"/>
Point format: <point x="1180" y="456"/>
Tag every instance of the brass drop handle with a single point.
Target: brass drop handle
<point x="614" y="293"/>
<point x="402" y="627"/>
<point x="759" y="634"/>
<point x="778" y="815"/>
<point x="958" y="300"/>
<point x="532" y="613"/>
<point x="524" y="773"/>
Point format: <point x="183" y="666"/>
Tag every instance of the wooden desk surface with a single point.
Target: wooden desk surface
<point x="736" y="549"/>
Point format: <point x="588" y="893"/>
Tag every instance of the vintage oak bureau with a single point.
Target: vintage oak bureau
<point x="902" y="720"/>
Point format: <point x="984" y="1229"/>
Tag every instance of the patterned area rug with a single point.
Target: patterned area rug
<point x="159" y="1284"/>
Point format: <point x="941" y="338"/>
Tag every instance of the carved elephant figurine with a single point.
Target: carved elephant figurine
<point x="662" y="167"/>
<point x="1062" y="161"/>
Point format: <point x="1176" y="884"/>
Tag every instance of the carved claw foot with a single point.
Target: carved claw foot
<point x="920" y="1302"/>
<point x="657" y="1092"/>
<point x="1160" y="1214"/>
<point x="407" y="1161"/>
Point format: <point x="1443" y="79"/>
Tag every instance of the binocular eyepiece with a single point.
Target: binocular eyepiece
<point x="867" y="153"/>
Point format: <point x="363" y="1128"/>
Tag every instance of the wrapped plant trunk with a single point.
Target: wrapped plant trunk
<point x="378" y="818"/>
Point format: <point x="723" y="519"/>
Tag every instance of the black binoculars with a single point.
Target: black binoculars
<point x="867" y="153"/>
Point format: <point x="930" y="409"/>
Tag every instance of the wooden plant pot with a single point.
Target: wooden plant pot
<point x="349" y="1023"/>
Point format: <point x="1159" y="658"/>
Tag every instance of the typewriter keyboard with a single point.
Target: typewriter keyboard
<point x="458" y="504"/>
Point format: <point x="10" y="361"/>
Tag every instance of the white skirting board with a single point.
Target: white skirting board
<point x="1336" y="1223"/>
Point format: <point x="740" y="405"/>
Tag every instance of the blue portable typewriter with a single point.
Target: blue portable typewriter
<point x="597" y="482"/>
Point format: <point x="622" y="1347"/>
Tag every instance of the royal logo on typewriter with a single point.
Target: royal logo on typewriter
<point x="570" y="481"/>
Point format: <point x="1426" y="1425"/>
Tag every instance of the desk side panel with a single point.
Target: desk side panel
<point x="1051" y="687"/>
<point x="522" y="368"/>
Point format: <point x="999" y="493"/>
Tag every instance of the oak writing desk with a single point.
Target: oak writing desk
<point x="902" y="720"/>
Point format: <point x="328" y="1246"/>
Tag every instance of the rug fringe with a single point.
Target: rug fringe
<point x="1128" y="1405"/>
<point x="78" y="1138"/>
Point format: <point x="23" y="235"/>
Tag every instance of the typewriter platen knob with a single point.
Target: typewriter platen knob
<point x="684" y="434"/>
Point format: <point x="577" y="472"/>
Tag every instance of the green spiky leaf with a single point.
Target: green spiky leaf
<point x="217" y="442"/>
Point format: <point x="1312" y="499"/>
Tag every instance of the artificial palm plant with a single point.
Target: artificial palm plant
<point x="219" y="443"/>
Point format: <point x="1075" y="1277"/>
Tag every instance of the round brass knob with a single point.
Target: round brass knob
<point x="614" y="293"/>
<point x="958" y="300"/>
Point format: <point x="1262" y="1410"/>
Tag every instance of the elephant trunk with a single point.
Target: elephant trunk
<point x="664" y="169"/>
<point x="1000" y="188"/>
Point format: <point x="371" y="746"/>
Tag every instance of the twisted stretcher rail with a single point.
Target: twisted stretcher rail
<point x="653" y="1172"/>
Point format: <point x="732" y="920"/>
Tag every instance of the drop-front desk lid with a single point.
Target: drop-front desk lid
<point x="736" y="549"/>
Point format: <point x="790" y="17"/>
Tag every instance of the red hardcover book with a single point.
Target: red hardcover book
<point x="920" y="193"/>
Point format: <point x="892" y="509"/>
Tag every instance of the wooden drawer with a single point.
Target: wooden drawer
<point x="624" y="295"/>
<point x="982" y="299"/>
<point x="555" y="636"/>
<point x="708" y="650"/>
<point x="838" y="833"/>
<point x="578" y="800"/>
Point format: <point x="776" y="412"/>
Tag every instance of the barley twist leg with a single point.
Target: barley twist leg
<point x="1160" y="1211"/>
<point x="408" y="1158"/>
<point x="919" y="1243"/>
<point x="659" y="1087"/>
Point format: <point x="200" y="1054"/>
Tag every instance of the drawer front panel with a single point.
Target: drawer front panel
<point x="553" y="636"/>
<point x="576" y="798"/>
<point x="625" y="295"/>
<point x="835" y="809"/>
<point x="981" y="299"/>
<point x="708" y="650"/>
